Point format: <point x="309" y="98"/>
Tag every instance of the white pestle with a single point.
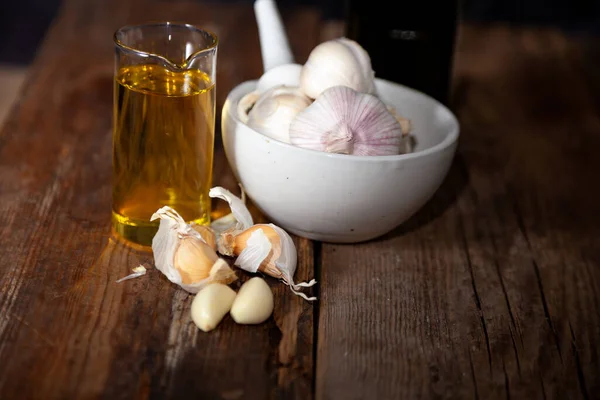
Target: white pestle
<point x="274" y="45"/>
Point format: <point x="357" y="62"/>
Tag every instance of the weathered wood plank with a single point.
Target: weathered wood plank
<point x="67" y="330"/>
<point x="491" y="291"/>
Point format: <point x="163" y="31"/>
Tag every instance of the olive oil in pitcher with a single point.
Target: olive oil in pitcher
<point x="163" y="141"/>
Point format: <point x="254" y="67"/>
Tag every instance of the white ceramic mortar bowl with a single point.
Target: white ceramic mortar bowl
<point x="342" y="198"/>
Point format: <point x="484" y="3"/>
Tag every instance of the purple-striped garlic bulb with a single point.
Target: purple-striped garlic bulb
<point x="344" y="121"/>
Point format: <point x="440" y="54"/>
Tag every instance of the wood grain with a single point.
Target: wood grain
<point x="67" y="330"/>
<point x="491" y="290"/>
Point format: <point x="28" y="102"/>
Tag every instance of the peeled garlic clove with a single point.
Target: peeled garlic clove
<point x="183" y="256"/>
<point x="275" y="109"/>
<point x="211" y="304"/>
<point x="344" y="121"/>
<point x="281" y="75"/>
<point x="253" y="303"/>
<point x="338" y="62"/>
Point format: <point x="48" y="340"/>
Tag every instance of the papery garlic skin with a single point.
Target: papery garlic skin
<point x="137" y="272"/>
<point x="241" y="218"/>
<point x="274" y="110"/>
<point x="338" y="62"/>
<point x="256" y="249"/>
<point x="210" y="305"/>
<point x="254" y="302"/>
<point x="224" y="223"/>
<point x="287" y="263"/>
<point x="166" y="241"/>
<point x="344" y="121"/>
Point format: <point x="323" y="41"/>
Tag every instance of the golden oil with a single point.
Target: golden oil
<point x="163" y="138"/>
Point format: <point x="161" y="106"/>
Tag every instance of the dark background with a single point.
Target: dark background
<point x="24" y="22"/>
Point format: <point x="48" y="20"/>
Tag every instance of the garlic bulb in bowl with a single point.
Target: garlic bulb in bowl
<point x="274" y="110"/>
<point x="281" y="75"/>
<point x="344" y="121"/>
<point x="338" y="62"/>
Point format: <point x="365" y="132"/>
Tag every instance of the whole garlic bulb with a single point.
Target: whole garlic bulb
<point x="344" y="121"/>
<point x="338" y="62"/>
<point x="274" y="110"/>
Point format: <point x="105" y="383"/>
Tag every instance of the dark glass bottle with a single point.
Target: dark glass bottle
<point x="409" y="42"/>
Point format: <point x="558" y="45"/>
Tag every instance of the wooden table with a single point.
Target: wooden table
<point x="490" y="292"/>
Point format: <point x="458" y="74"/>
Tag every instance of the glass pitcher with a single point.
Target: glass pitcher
<point x="163" y="126"/>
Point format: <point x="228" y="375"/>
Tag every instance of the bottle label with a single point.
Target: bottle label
<point x="399" y="34"/>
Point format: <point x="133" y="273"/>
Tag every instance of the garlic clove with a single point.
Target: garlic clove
<point x="275" y="109"/>
<point x="245" y="105"/>
<point x="344" y="121"/>
<point x="257" y="248"/>
<point x="166" y="241"/>
<point x="279" y="262"/>
<point x="210" y="305"/>
<point x="285" y="259"/>
<point x="207" y="233"/>
<point x="222" y="272"/>
<point x="407" y="142"/>
<point x="194" y="259"/>
<point x="254" y="302"/>
<point x="405" y="123"/>
<point x="243" y="218"/>
<point x="183" y="256"/>
<point x="338" y="62"/>
<point x="281" y="75"/>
